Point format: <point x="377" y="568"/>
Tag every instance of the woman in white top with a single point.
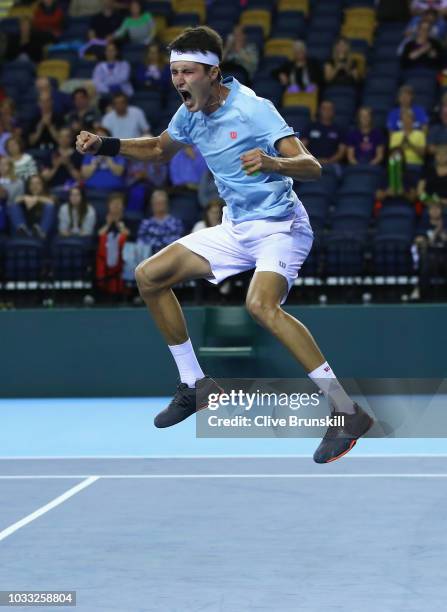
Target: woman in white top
<point x="76" y="217"/>
<point x="112" y="75"/>
<point x="212" y="215"/>
<point x="24" y="165"/>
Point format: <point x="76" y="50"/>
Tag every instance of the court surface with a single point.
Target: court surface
<point x="96" y="500"/>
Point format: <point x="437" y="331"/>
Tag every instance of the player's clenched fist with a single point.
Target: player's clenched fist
<point x="256" y="160"/>
<point x="86" y="142"/>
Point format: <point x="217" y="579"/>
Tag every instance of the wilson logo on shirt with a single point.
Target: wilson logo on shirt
<point x="233" y="135"/>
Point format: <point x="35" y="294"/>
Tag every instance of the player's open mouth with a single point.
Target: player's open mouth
<point x="185" y="95"/>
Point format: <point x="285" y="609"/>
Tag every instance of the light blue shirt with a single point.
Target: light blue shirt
<point x="243" y="123"/>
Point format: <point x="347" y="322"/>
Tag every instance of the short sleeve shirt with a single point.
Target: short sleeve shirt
<point x="242" y="123"/>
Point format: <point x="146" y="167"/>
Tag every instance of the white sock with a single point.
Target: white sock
<point x="186" y="360"/>
<point x="325" y="379"/>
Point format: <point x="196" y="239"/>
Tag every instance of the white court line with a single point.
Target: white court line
<point x="43" y="509"/>
<point x="134" y="457"/>
<point x="202" y="476"/>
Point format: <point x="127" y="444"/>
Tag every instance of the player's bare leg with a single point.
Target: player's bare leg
<point x="264" y="304"/>
<point x="155" y="278"/>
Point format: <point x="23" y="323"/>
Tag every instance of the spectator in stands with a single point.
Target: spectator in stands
<point x="301" y="73"/>
<point x="433" y="185"/>
<point x="366" y="144"/>
<point x="429" y="250"/>
<point x="241" y="54"/>
<point x="45" y="134"/>
<point x="212" y="215"/>
<point x="207" y="189"/>
<point x="105" y="23"/>
<point x="125" y="121"/>
<point x="33" y="212"/>
<point x="342" y="69"/>
<point x="420" y="6"/>
<point x="405" y="99"/>
<point x="84" y="8"/>
<point x="423" y="51"/>
<point x="103" y="173"/>
<point x="154" y="72"/>
<point x="112" y="75"/>
<point x="438" y="27"/>
<point x="161" y="228"/>
<point x="324" y="138"/>
<point x="48" y="18"/>
<point x="139" y="27"/>
<point x="84" y="115"/>
<point x="76" y="217"/>
<point x="186" y="168"/>
<point x="11" y="187"/>
<point x="24" y="165"/>
<point x="28" y="45"/>
<point x="66" y="162"/>
<point x="45" y="86"/>
<point x="112" y="238"/>
<point x="410" y="140"/>
<point x="437" y="134"/>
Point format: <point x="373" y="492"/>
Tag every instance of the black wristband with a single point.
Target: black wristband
<point x="109" y="146"/>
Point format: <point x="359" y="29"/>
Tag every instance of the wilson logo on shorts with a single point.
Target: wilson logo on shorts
<point x="233" y="135"/>
<point x="282" y="264"/>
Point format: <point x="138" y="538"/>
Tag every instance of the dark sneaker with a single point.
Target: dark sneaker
<point x="184" y="402"/>
<point x="340" y="439"/>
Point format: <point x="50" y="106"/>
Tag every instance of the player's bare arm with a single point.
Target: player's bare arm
<point x="295" y="161"/>
<point x="158" y="149"/>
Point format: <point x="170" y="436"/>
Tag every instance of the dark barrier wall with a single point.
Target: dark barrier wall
<point x="118" y="352"/>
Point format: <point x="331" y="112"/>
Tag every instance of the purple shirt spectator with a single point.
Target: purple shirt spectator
<point x="158" y="233"/>
<point x="365" y="145"/>
<point x="187" y="167"/>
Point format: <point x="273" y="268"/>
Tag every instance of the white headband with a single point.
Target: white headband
<point x="208" y="58"/>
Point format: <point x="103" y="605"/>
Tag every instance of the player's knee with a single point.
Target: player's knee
<point x="146" y="278"/>
<point x="263" y="312"/>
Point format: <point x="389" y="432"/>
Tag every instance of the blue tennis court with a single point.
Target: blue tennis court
<point x="97" y="501"/>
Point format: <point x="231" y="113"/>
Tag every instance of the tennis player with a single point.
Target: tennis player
<point x="254" y="157"/>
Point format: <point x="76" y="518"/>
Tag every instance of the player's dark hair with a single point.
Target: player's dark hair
<point x="200" y="38"/>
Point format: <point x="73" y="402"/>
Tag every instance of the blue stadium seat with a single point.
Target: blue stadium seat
<point x="360" y="179"/>
<point x="356" y="224"/>
<point x="392" y="255"/>
<point x="186" y="19"/>
<point x="355" y="203"/>
<point x="316" y="204"/>
<point x="9" y="25"/>
<point x="344" y="255"/>
<point x="72" y="258"/>
<point x="160" y="7"/>
<point x="76" y="28"/>
<point x="24" y="258"/>
<point x="268" y="88"/>
<point x="297" y="117"/>
<point x="380" y="84"/>
<point x="289" y="24"/>
<point x="134" y="53"/>
<point x="222" y="26"/>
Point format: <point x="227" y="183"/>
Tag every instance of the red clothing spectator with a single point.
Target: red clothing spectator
<point x="48" y="17"/>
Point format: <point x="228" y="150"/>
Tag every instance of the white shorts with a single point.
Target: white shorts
<point x="268" y="245"/>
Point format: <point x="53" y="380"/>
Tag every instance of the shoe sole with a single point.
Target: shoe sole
<point x="353" y="443"/>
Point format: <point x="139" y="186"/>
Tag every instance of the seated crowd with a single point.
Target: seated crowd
<point x="47" y="190"/>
